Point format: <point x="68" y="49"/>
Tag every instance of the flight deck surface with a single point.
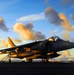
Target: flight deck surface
<point x="39" y="68"/>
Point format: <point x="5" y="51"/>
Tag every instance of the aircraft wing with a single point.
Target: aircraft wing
<point x="20" y="47"/>
<point x="20" y="53"/>
<point x="29" y="44"/>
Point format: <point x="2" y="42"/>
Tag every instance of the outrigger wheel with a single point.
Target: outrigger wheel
<point x="45" y="60"/>
<point x="29" y="60"/>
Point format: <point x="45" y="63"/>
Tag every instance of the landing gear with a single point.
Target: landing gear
<point x="9" y="60"/>
<point x="29" y="60"/>
<point x="44" y="60"/>
<point x="9" y="57"/>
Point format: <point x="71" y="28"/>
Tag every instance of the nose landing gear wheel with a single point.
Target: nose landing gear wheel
<point x="44" y="60"/>
<point x="29" y="60"/>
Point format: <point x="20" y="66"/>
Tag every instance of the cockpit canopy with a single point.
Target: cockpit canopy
<point x="54" y="38"/>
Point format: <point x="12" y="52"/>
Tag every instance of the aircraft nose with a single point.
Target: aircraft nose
<point x="62" y="45"/>
<point x="67" y="45"/>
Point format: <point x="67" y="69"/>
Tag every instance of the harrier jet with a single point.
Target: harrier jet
<point x="44" y="49"/>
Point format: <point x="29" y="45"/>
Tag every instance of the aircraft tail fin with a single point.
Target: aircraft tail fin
<point x="10" y="43"/>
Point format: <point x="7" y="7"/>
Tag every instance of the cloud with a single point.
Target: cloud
<point x="38" y="35"/>
<point x="72" y="16"/>
<point x="2" y="25"/>
<point x="53" y="16"/>
<point x="65" y="35"/>
<point x="33" y="17"/>
<point x="72" y="39"/>
<point x="67" y="1"/>
<point x="29" y="26"/>
<point x="3" y="43"/>
<point x="58" y="19"/>
<point x="54" y="32"/>
<point x="64" y="54"/>
<point x="66" y="24"/>
<point x="26" y="31"/>
<point x="15" y="40"/>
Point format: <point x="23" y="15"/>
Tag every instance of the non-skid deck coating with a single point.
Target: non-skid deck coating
<point x="39" y="68"/>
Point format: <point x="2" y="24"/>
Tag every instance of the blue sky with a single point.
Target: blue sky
<point x="10" y="11"/>
<point x="33" y="11"/>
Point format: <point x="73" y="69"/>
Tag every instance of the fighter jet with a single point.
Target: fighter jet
<point x="43" y="49"/>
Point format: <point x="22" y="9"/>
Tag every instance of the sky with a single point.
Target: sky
<point x="29" y="20"/>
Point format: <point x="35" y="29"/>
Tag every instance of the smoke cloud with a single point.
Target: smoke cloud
<point x="27" y="33"/>
<point x="2" y="25"/>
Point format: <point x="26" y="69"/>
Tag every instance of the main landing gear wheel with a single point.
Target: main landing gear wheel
<point x="44" y="60"/>
<point x="29" y="60"/>
<point x="9" y="60"/>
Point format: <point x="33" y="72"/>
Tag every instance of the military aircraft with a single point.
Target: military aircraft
<point x="43" y="49"/>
